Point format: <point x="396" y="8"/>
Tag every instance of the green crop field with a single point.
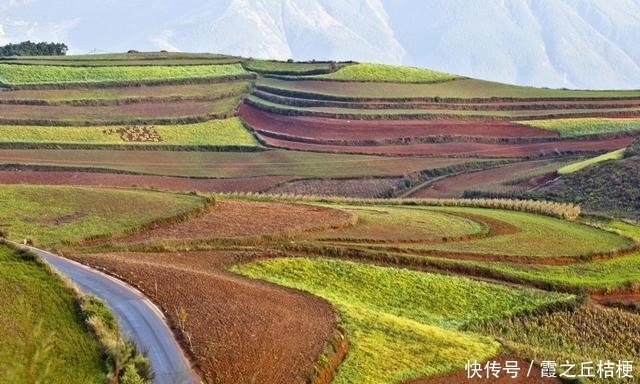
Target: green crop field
<point x="401" y="324"/>
<point x="601" y="275"/>
<point x="570" y="168"/>
<point x="44" y="340"/>
<point x="126" y="58"/>
<point x="16" y="74"/>
<point x="528" y="235"/>
<point x="537" y="236"/>
<point x="588" y="334"/>
<point x="97" y="95"/>
<point x="228" y="132"/>
<point x="387" y="73"/>
<point x="54" y="214"/>
<point x="586" y="126"/>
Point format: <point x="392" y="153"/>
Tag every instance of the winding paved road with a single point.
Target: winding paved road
<point x="138" y="317"/>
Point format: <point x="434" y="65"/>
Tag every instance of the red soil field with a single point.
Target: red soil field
<point x="535" y="377"/>
<point x="324" y="129"/>
<point x="242" y="219"/>
<point x="487" y="180"/>
<point x="236" y="330"/>
<point x="455" y="149"/>
<point x="247" y="184"/>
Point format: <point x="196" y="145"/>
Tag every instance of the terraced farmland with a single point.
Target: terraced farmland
<point x="400" y="115"/>
<point x="393" y="314"/>
<point x="278" y="130"/>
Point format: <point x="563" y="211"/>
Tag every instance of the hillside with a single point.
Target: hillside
<point x="611" y="187"/>
<point x="304" y="221"/>
<point x="286" y="127"/>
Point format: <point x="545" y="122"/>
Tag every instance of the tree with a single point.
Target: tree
<point x="29" y="48"/>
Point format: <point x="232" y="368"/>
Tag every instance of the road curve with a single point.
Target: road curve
<point x="138" y="317"/>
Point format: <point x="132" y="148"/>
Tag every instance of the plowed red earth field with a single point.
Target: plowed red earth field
<point x="490" y="179"/>
<point x="236" y="330"/>
<point x="535" y="376"/>
<point x="461" y="149"/>
<point x="358" y="130"/>
<point x="237" y="219"/>
<point x="249" y="184"/>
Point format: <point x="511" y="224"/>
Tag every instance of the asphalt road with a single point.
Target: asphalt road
<point x="139" y="318"/>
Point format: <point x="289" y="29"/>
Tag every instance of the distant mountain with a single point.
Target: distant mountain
<point x="556" y="43"/>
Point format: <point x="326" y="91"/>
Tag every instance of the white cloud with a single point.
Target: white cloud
<point x="161" y="41"/>
<point x="4" y="39"/>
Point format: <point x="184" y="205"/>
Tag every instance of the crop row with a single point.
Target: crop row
<point x="17" y="74"/>
<point x="186" y="111"/>
<point x="133" y="57"/>
<point x="456" y="91"/>
<point x="228" y="132"/>
<point x="125" y="95"/>
<point x="586" y="126"/>
<point x="386" y="73"/>
<point x="402" y="114"/>
<point x="279" y="96"/>
<point x="573" y="167"/>
<point x="401" y="324"/>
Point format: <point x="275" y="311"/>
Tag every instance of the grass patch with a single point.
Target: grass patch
<point x="393" y="224"/>
<point x="46" y="74"/>
<point x="118" y="95"/>
<point x="570" y="168"/>
<point x="387" y="73"/>
<point x="601" y="276"/>
<point x="54" y="214"/>
<point x="586" y="126"/>
<point x="213" y="132"/>
<point x="539" y="236"/>
<point x="401" y="324"/>
<point x="43" y="337"/>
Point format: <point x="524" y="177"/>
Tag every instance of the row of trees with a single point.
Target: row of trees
<point x="29" y="48"/>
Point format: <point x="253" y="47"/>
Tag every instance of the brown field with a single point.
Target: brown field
<point x="246" y="184"/>
<point x="228" y="164"/>
<point x="460" y="89"/>
<point x="196" y="90"/>
<point x="240" y="219"/>
<point x="365" y="188"/>
<point x="236" y="330"/>
<point x="284" y="96"/>
<point x="359" y="131"/>
<point x="528" y="174"/>
<point x="462" y="149"/>
<point x="105" y="114"/>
